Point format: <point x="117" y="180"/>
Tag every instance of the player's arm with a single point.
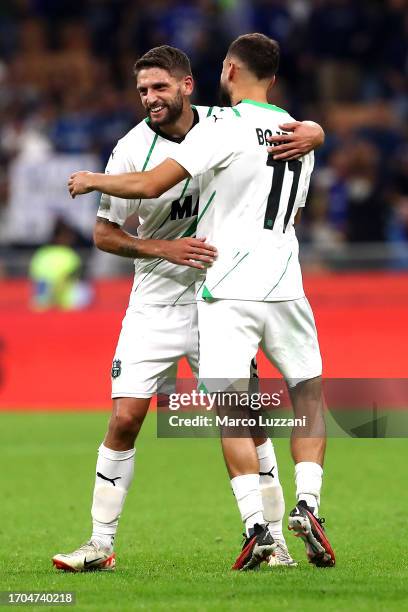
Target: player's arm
<point x="302" y="137"/>
<point x="110" y="237"/>
<point x="149" y="184"/>
<point x="193" y="157"/>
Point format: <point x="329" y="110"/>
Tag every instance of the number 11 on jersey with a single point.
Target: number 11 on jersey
<point x="275" y="194"/>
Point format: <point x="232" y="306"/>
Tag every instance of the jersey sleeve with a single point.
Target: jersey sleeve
<point x="117" y="210"/>
<point x="208" y="146"/>
<point x="307" y="169"/>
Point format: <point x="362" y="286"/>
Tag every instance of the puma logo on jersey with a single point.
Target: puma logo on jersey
<point x="184" y="210"/>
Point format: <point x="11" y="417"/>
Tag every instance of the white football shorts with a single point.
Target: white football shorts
<point x="152" y="340"/>
<point x="232" y="330"/>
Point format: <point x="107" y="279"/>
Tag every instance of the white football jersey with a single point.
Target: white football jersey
<point x="172" y="215"/>
<point x="248" y="203"/>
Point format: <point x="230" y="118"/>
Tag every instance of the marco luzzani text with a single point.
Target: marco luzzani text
<point x="210" y="402"/>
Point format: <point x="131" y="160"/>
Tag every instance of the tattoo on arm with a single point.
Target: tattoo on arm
<point x="127" y="251"/>
<point x="113" y="239"/>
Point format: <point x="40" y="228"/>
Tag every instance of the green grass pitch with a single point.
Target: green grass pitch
<point x="180" y="531"/>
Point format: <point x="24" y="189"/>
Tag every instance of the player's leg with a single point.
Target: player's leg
<point x="308" y="452"/>
<point x="146" y="351"/>
<point x="308" y="455"/>
<point x="273" y="501"/>
<point x="128" y="414"/>
<point x="272" y="494"/>
<point x="271" y="488"/>
<point x="290" y="342"/>
<point x="160" y="345"/>
<point x="192" y="339"/>
<point x="229" y="337"/>
<point x="114" y="475"/>
<point x="115" y="467"/>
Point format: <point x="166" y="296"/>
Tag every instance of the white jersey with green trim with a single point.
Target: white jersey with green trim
<point x="172" y="215"/>
<point x="248" y="203"/>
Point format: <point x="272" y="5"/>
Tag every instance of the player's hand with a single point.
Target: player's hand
<point x="192" y="252"/>
<point x="79" y="183"/>
<point x="302" y="138"/>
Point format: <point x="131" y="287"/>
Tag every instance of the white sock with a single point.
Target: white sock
<point x="114" y="475"/>
<point x="308" y="477"/>
<point x="271" y="490"/>
<point x="249" y="500"/>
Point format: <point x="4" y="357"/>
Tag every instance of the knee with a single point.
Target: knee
<point x="125" y="423"/>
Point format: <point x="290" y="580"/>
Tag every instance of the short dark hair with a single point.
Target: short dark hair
<point x="168" y="58"/>
<point x="258" y="52"/>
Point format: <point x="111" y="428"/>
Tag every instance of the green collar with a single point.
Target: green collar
<point x="263" y="105"/>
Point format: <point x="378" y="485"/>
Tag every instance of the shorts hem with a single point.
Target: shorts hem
<point x="250" y="299"/>
<point x="300" y="379"/>
<point x="133" y="395"/>
<point x="172" y="303"/>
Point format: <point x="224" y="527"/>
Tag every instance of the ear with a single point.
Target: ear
<point x="188" y="85"/>
<point x="232" y="70"/>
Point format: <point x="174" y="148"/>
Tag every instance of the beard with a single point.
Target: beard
<point x="174" y="111"/>
<point x="224" y="96"/>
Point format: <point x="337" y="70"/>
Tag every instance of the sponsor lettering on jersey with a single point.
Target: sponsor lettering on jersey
<point x="184" y="210"/>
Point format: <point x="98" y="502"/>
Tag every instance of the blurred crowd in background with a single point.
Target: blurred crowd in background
<point x="67" y="93"/>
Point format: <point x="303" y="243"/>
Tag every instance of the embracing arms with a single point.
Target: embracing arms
<point x="191" y="252"/>
<point x="148" y="184"/>
<point x="301" y="138"/>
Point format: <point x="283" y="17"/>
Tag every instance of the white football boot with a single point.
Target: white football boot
<point x="89" y="557"/>
<point x="281" y="556"/>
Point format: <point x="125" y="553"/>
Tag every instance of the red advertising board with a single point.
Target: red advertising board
<point x="61" y="360"/>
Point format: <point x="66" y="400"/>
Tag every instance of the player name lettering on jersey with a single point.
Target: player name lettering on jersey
<point x="262" y="135"/>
